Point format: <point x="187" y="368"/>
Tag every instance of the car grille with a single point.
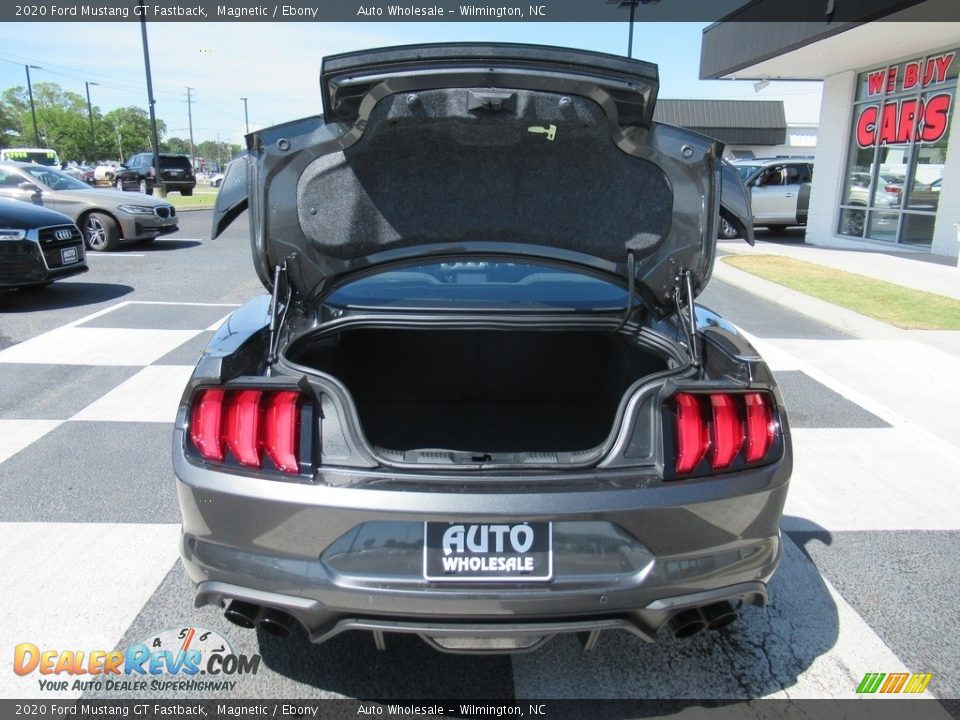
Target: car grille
<point x="19" y="262"/>
<point x="166" y="211"/>
<point x="54" y="239"/>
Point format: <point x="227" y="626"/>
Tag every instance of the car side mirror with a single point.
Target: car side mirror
<point x="29" y="186"/>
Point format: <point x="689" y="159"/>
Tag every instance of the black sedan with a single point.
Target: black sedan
<point x="37" y="246"/>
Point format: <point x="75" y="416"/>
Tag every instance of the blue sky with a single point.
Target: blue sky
<point x="276" y="65"/>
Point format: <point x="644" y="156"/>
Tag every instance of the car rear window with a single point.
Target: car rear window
<point x="174" y="163"/>
<point x="487" y="283"/>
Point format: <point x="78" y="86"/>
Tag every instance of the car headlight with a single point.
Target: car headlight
<point x="136" y="209"/>
<point x="12" y="234"/>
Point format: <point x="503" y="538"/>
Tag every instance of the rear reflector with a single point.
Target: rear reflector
<point x="735" y="429"/>
<point x="245" y="422"/>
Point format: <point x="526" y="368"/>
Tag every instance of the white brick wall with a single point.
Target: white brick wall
<point x="836" y="109"/>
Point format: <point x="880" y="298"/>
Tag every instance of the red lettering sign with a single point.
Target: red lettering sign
<point x="904" y="120"/>
<point x="867" y="126"/>
<point x="935" y="116"/>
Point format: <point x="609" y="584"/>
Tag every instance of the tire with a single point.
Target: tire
<point x="144" y="188"/>
<point x="100" y="232"/>
<point x="726" y="231"/>
<point x="186" y="193"/>
<point x="118" y="184"/>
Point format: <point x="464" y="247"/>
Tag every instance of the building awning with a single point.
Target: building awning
<point x="734" y="122"/>
<point x="739" y="47"/>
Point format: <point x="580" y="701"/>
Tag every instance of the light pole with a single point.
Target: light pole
<point x="93" y="133"/>
<point x="632" y="4"/>
<point x="157" y="177"/>
<point x="246" y="117"/>
<point x="33" y="110"/>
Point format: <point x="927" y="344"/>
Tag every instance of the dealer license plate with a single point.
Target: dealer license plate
<point x="69" y="255"/>
<point x="487" y="552"/>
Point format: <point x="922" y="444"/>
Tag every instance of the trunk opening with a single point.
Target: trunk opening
<point x="482" y="391"/>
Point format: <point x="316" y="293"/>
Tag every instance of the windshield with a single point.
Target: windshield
<point x="54" y="179"/>
<point x="487" y="283"/>
<point x="174" y="163"/>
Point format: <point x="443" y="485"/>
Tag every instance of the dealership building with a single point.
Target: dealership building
<point x="886" y="174"/>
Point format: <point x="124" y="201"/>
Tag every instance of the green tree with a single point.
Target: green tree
<point x="132" y="125"/>
<point x="177" y="145"/>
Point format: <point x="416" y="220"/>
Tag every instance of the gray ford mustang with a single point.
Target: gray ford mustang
<point x="480" y="404"/>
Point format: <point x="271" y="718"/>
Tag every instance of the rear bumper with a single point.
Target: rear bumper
<point x="337" y="558"/>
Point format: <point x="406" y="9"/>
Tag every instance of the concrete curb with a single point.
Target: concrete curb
<point x="840" y="318"/>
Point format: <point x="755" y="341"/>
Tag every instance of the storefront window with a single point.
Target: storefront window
<point x="898" y="145"/>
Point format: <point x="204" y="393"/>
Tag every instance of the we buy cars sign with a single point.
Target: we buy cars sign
<point x="924" y="119"/>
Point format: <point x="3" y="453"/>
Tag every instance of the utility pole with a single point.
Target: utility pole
<point x="33" y="110"/>
<point x="245" y="116"/>
<point x="193" y="160"/>
<point x="632" y="4"/>
<point x="157" y="178"/>
<point x="219" y="161"/>
<point x="93" y="133"/>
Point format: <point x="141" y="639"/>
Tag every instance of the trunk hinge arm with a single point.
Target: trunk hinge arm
<point x="631" y="289"/>
<point x="687" y="313"/>
<point x="277" y="316"/>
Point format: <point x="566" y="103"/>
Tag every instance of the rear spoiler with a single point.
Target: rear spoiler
<point x="347" y="78"/>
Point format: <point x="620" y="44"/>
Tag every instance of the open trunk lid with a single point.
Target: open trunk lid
<point x="469" y="149"/>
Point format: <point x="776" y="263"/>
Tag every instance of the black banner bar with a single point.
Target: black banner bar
<point x="830" y="11"/>
<point x="859" y="709"/>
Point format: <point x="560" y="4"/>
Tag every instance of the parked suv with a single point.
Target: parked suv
<point x="779" y="191"/>
<point x="175" y="171"/>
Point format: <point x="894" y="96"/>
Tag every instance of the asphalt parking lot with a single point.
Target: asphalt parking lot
<point x="91" y="370"/>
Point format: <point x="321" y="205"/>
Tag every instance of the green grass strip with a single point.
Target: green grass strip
<point x="202" y="197"/>
<point x="904" y="307"/>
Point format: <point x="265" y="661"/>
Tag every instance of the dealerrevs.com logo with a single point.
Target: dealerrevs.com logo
<point x="179" y="659"/>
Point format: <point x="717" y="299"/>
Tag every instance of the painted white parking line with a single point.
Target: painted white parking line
<point x="216" y="326"/>
<point x="152" y="395"/>
<point x="846" y="479"/>
<point x="808" y="643"/>
<point x="74" y="586"/>
<point x="114" y="254"/>
<point x="15" y="435"/>
<point x="845" y="366"/>
<point x="189" y="304"/>
<point x="96" y="346"/>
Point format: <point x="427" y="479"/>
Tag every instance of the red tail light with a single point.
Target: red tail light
<point x="241" y="430"/>
<point x="727" y="431"/>
<point x="206" y="423"/>
<point x="245" y="424"/>
<point x="280" y="430"/>
<point x="735" y="429"/>
<point x="693" y="440"/>
<point x="761" y="429"/>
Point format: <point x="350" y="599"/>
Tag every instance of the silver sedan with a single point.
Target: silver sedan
<point x="106" y="217"/>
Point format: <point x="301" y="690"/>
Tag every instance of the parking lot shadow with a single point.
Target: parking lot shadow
<point x="765" y="653"/>
<point x="164" y="245"/>
<point x="62" y="294"/>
